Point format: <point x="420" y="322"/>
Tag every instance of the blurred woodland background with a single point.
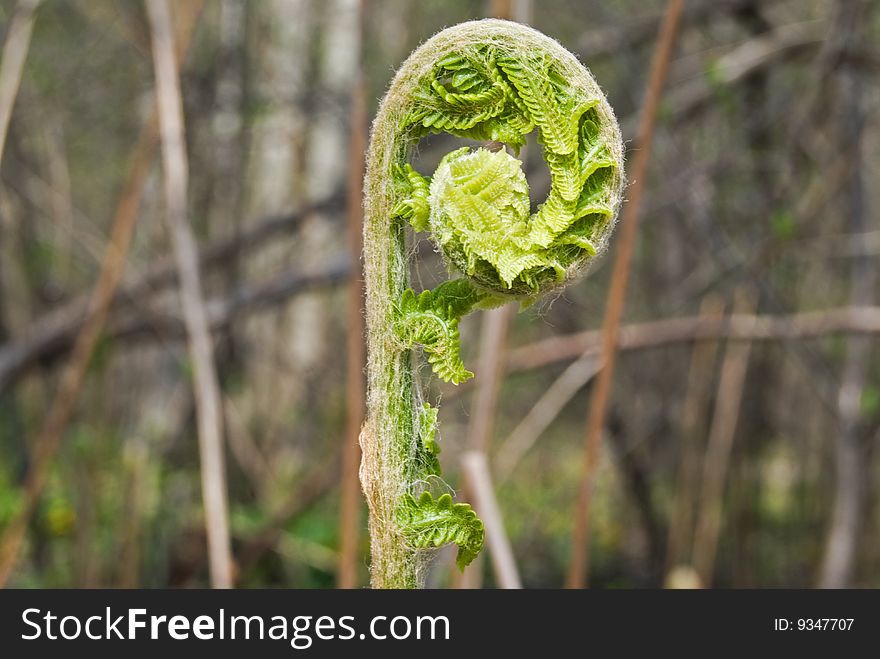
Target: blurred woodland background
<point x="739" y="448"/>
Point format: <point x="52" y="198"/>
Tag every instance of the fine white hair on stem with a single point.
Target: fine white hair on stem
<point x="390" y="436"/>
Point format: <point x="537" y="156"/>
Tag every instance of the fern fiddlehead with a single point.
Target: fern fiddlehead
<point x="485" y="80"/>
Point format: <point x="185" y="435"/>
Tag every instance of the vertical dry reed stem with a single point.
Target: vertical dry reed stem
<point x="51" y="433"/>
<point x="851" y="450"/>
<point x="493" y="350"/>
<point x="693" y="420"/>
<point x="475" y="468"/>
<point x="15" y="49"/>
<point x="719" y="445"/>
<point x="349" y="516"/>
<point x="209" y="410"/>
<point x="578" y="567"/>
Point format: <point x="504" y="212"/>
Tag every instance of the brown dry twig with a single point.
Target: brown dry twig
<point x="799" y="326"/>
<point x="355" y="360"/>
<point x="577" y="574"/>
<point x="731" y="383"/>
<point x="15" y="50"/>
<point x="52" y="335"/>
<point x="543" y="412"/>
<point x="51" y="433"/>
<point x="484" y="407"/>
<point x="209" y="405"/>
<point x="693" y="422"/>
<point x="475" y="469"/>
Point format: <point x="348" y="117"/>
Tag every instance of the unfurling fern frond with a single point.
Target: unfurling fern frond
<point x="490" y="81"/>
<point x="431" y="320"/>
<point x="412" y="190"/>
<point x="558" y="115"/>
<point x="427" y="523"/>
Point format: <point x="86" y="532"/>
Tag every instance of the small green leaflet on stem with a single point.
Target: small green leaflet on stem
<point x="427" y="523"/>
<point x="431" y="319"/>
<point x="428" y="449"/>
<point x="412" y="190"/>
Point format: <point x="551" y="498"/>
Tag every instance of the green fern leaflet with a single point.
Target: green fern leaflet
<point x="428" y="523"/>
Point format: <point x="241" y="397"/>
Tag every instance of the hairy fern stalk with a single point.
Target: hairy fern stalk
<point x="486" y="80"/>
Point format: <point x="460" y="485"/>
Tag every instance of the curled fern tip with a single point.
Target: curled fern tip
<point x="485" y="81"/>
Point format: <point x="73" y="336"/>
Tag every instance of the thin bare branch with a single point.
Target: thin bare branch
<point x="146" y="323"/>
<point x="850" y="448"/>
<point x="493" y="346"/>
<point x="694" y="410"/>
<point x="484" y="407"/>
<point x="209" y="406"/>
<point x="15" y="50"/>
<point x="475" y="469"/>
<point x="756" y="54"/>
<point x="52" y="335"/>
<point x="635" y="32"/>
<point x="804" y="325"/>
<point x="578" y="567"/>
<point x="718" y="448"/>
<point x="51" y="432"/>
<point x="543" y="412"/>
<point x="355" y="361"/>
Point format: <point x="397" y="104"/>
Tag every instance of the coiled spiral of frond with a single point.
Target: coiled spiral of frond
<point x="476" y="204"/>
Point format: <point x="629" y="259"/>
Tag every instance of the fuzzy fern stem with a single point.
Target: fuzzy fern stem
<point x="482" y="80"/>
